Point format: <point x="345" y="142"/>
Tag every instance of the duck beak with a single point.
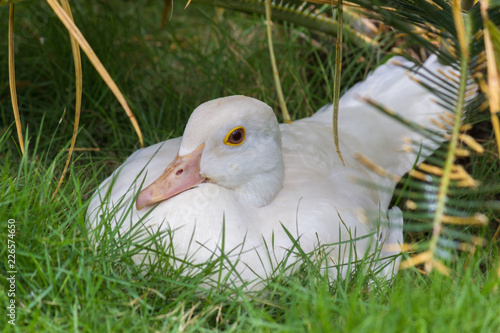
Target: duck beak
<point x="180" y="175"/>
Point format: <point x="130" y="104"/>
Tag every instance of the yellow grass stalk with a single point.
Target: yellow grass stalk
<point x="167" y="11"/>
<point x="277" y="82"/>
<point x="492" y="73"/>
<point x="12" y="79"/>
<point x="336" y="86"/>
<point x="75" y="32"/>
<point x="497" y="234"/>
<point x="78" y="103"/>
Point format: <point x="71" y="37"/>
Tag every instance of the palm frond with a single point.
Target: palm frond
<point x="313" y="16"/>
<point x="435" y="190"/>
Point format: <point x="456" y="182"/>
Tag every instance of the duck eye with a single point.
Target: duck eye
<point x="235" y="137"/>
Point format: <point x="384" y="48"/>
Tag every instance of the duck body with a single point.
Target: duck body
<point x="284" y="186"/>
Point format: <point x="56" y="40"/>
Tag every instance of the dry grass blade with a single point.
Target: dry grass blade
<point x="496" y="235"/>
<point x="498" y="272"/>
<point x="336" y="87"/>
<point x="78" y="103"/>
<point x="12" y="79"/>
<point x="277" y="82"/>
<point x="168" y="6"/>
<point x="493" y="76"/>
<point x="75" y="32"/>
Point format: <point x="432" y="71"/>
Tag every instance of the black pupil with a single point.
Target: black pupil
<point x="236" y="136"/>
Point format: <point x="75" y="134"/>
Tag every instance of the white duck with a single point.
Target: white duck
<point x="237" y="178"/>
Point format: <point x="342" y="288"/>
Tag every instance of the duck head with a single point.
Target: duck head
<point x="233" y="142"/>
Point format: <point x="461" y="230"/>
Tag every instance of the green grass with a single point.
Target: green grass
<point x="65" y="283"/>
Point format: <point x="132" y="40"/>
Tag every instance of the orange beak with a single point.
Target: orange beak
<point x="180" y="175"/>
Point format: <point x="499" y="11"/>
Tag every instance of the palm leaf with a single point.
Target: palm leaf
<point x="313" y="16"/>
<point x="436" y="189"/>
<point x="436" y="26"/>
